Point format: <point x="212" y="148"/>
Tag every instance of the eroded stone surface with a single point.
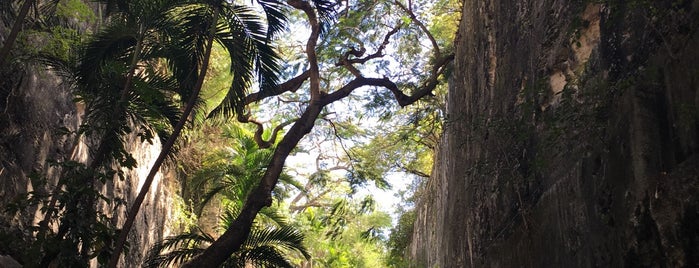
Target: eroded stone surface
<point x="578" y="148"/>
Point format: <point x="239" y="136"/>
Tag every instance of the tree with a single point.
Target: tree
<point x="318" y="14"/>
<point x="229" y="173"/>
<point x="14" y="32"/>
<point x="266" y="247"/>
<point x="150" y="54"/>
<point x="346" y="233"/>
<point x="245" y="38"/>
<point x="232" y="171"/>
<point x="116" y="95"/>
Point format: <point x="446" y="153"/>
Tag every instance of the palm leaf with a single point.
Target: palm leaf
<point x="275" y="216"/>
<point x="8" y="14"/>
<point x="177" y="249"/>
<point x="276" y="20"/>
<point x="265" y="256"/>
<point x="286" y="238"/>
<point x="246" y="40"/>
<point x="109" y="46"/>
<point x="229" y="216"/>
<point x="326" y="13"/>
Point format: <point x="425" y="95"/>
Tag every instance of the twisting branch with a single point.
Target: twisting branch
<point x="261" y="142"/>
<point x="345" y="60"/>
<point x="289" y="86"/>
<point x="311" y="44"/>
<point x="402" y="99"/>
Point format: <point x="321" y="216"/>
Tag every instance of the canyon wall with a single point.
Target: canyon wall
<point x="571" y="138"/>
<point x="37" y="125"/>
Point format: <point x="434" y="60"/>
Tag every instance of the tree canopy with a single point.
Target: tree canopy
<point x="298" y="76"/>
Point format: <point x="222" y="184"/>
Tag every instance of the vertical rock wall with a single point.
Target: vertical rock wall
<point x="34" y="117"/>
<point x="572" y="138"/>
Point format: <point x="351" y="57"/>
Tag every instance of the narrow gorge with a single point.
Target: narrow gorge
<point x="569" y="137"/>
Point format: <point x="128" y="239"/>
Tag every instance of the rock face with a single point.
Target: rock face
<point x="33" y="120"/>
<point x="572" y="138"/>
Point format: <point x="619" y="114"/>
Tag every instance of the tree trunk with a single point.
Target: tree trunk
<point x="260" y="197"/>
<point x="16" y="28"/>
<point x="167" y="147"/>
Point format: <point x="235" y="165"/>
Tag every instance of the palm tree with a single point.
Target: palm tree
<point x="16" y="28"/>
<point x="116" y="95"/>
<point x="265" y="247"/>
<point x="232" y="172"/>
<point x="244" y="36"/>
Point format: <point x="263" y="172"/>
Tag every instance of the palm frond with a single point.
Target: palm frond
<point x="246" y="41"/>
<point x="276" y="20"/>
<point x="266" y="256"/>
<point x="64" y="68"/>
<point x="172" y="258"/>
<point x="207" y="197"/>
<point x="326" y="13"/>
<point x="229" y="216"/>
<point x="186" y="42"/>
<point x="177" y="249"/>
<point x="287" y="238"/>
<point x="102" y="53"/>
<point x="275" y="216"/>
<point x="8" y="14"/>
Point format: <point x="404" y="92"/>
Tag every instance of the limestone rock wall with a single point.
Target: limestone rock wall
<point x="572" y="138"/>
<point x="35" y="115"/>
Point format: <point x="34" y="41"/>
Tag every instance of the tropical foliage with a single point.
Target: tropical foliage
<point x="266" y="247"/>
<point x="148" y="68"/>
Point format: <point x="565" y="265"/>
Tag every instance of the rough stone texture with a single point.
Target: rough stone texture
<point x="572" y="138"/>
<point x="8" y="262"/>
<point x="31" y="115"/>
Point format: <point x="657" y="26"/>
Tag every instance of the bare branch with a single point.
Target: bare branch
<point x="289" y="86"/>
<point x="342" y="144"/>
<point x="403" y="100"/>
<point x="299" y="208"/>
<point x="312" y="201"/>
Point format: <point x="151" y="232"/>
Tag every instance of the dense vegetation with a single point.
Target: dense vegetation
<point x="232" y="89"/>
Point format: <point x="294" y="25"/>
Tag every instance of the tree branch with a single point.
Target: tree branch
<point x="289" y="86"/>
<point x="402" y="99"/>
<point x="312" y="202"/>
<point x="345" y="60"/>
<point x="311" y="44"/>
<point x="422" y="27"/>
<point x="261" y="196"/>
<point x="414" y="171"/>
